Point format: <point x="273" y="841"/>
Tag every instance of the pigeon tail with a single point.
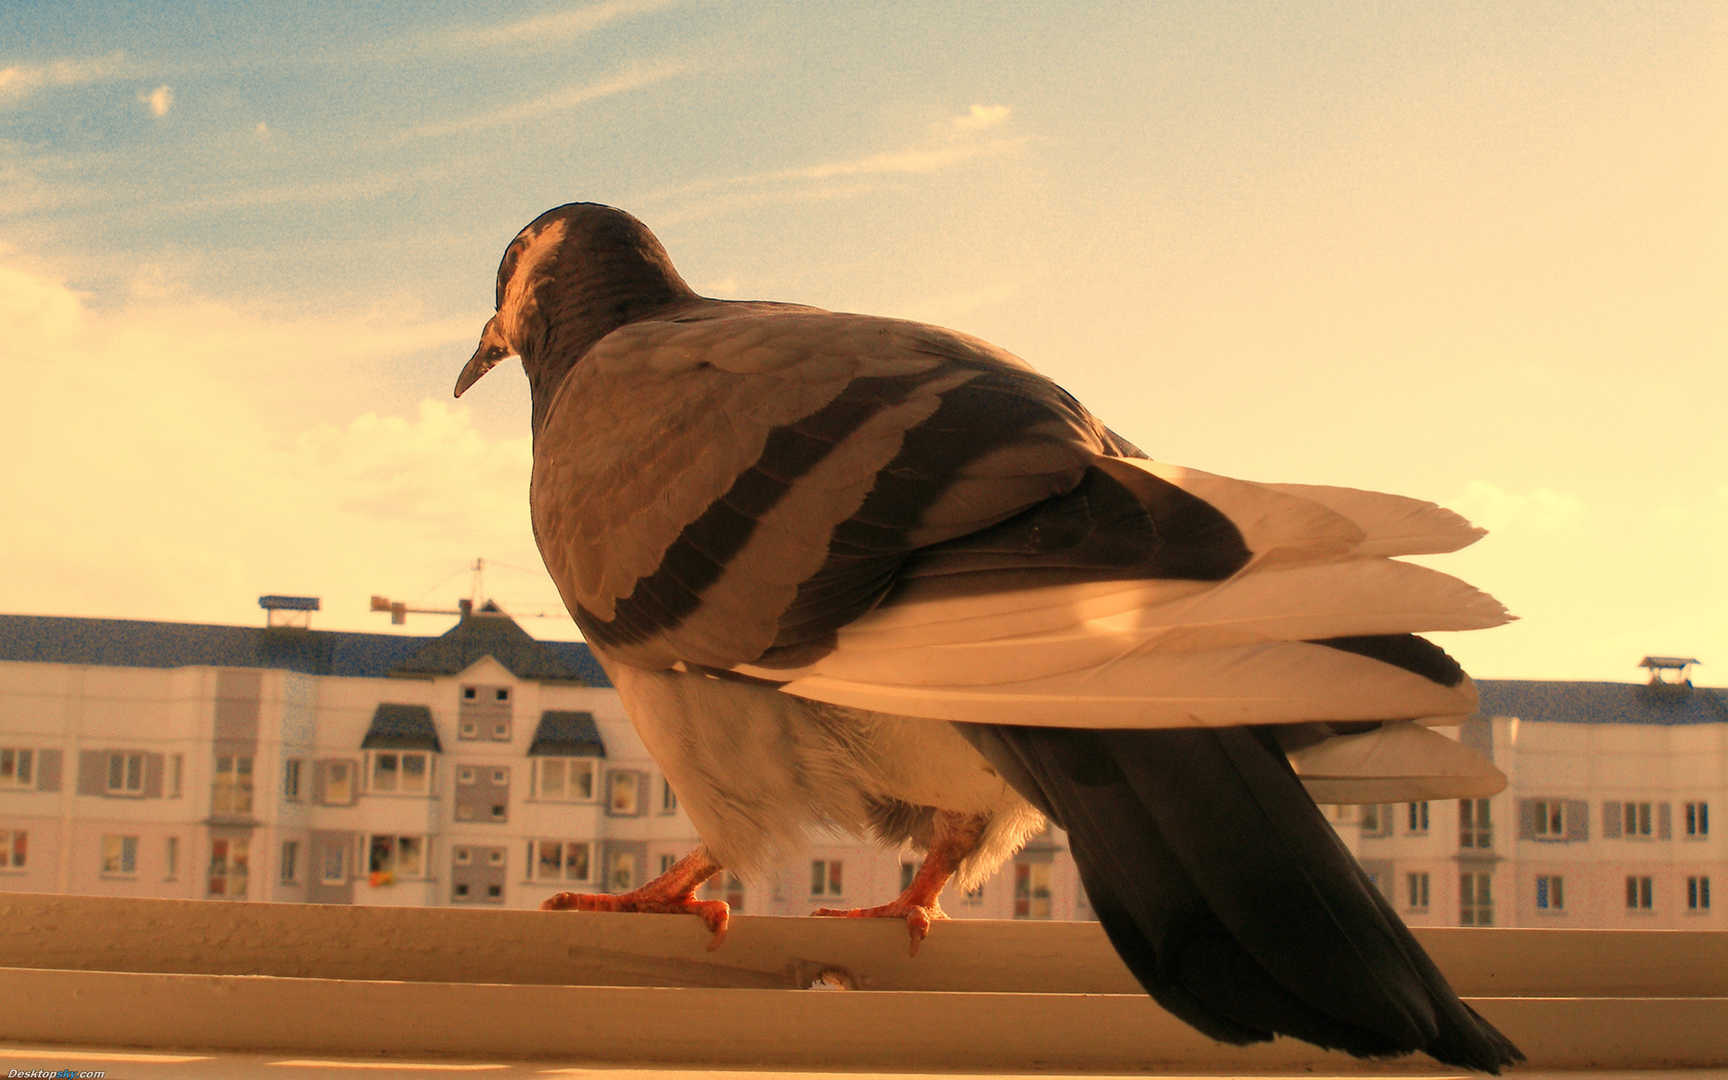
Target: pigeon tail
<point x="1230" y="898"/>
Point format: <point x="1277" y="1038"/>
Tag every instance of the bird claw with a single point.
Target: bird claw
<point x="715" y="914"/>
<point x="918" y="917"/>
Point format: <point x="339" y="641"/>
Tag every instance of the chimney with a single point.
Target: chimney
<point x="1670" y="678"/>
<point x="288" y="612"/>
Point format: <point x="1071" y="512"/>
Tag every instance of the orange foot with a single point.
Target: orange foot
<point x="672" y="893"/>
<point x="918" y="916"/>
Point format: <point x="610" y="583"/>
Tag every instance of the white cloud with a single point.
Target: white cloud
<point x="1538" y="510"/>
<point x="19" y="81"/>
<point x="563" y="99"/>
<point x="535" y="32"/>
<point x="158" y="101"/>
<point x="168" y="454"/>
<point x="979" y="118"/>
<point x="951" y="145"/>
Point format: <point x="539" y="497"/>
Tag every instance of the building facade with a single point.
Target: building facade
<point x="281" y="763"/>
<point x="1605" y="822"/>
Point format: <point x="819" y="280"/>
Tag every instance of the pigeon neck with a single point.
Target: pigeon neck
<point x="579" y="318"/>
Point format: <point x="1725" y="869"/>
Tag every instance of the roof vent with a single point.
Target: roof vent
<point x="1668" y="670"/>
<point x="290" y="612"/>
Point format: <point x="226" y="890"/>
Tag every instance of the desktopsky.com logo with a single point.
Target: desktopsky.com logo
<point x="54" y="1074"/>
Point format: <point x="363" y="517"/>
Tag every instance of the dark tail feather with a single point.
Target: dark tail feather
<point x="1229" y="897"/>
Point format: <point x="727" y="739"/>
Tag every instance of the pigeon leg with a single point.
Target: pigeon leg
<point x="957" y="836"/>
<point x="672" y="893"/>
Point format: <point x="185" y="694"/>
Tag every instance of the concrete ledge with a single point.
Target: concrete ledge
<point x="983" y="996"/>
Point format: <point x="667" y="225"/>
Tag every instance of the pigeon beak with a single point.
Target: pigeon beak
<point x="493" y="348"/>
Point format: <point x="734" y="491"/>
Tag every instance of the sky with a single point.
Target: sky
<point x="1473" y="252"/>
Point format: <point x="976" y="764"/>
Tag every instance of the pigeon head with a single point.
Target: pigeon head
<point x="572" y="275"/>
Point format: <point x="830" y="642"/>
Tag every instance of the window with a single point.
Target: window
<point x="338" y="784"/>
<point x="1550" y="818"/>
<point x="495" y="857"/>
<point x="1635" y="820"/>
<point x="231" y="791"/>
<point x="668" y="797"/>
<point x="176" y="775"/>
<point x="291" y="780"/>
<point x="974" y="896"/>
<point x="470" y="693"/>
<point x="623" y="801"/>
<point x="726" y="886"/>
<point x="125" y="774"/>
<point x="1475" y="894"/>
<point x="1698" y="893"/>
<point x="1376" y="820"/>
<point x="825" y="877"/>
<point x="469" y="729"/>
<point x="562" y="779"/>
<point x="621" y="873"/>
<point x="908" y="871"/>
<point x="397" y="856"/>
<point x="119" y="854"/>
<point x="500" y="812"/>
<point x="171" y="858"/>
<point x="1416" y="818"/>
<point x="230" y="865"/>
<point x="559" y="860"/>
<point x="1475" y="827"/>
<point x="290" y="862"/>
<point x="1031" y="890"/>
<point x="1697" y="820"/>
<point x="501" y="729"/>
<point x="335" y="868"/>
<point x="1640" y="893"/>
<point x="405" y="772"/>
<point x="1550" y="892"/>
<point x="1416" y="888"/>
<point x="501" y="695"/>
<point x="667" y="862"/>
<point x="466" y="775"/>
<point x="500" y="777"/>
<point x="461" y="856"/>
<point x="14" y="848"/>
<point x="16" y="768"/>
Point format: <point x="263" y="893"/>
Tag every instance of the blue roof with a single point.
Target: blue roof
<point x="1542" y="701"/>
<point x="53" y="639"/>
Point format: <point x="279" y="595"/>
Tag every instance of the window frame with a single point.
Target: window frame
<point x="23" y="773"/>
<point x="1551" y="893"/>
<point x="1475" y="898"/>
<point x="236" y="866"/>
<point x="1548" y="819"/>
<point x="130" y="787"/>
<point x="1696" y="817"/>
<point x="537" y="861"/>
<point x="14" y="849"/>
<point x="568" y="767"/>
<point x="125" y="857"/>
<point x="375" y="767"/>
<point x="1418" y="890"/>
<point x="827" y="878"/>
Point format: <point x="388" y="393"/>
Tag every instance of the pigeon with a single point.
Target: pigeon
<point x="878" y="576"/>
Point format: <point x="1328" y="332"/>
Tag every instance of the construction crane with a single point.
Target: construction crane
<point x="399" y="611"/>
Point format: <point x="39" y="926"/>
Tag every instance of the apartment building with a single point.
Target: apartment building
<point x="1605" y="821"/>
<point x="477" y="767"/>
